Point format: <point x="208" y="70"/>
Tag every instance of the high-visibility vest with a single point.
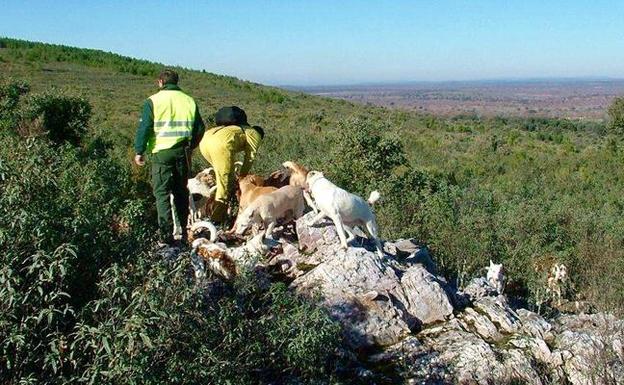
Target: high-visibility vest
<point x="174" y="114"/>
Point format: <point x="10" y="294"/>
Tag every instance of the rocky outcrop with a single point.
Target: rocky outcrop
<point x="378" y="307"/>
<point x="406" y="324"/>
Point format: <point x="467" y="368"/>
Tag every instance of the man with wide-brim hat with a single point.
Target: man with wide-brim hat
<point x="220" y="145"/>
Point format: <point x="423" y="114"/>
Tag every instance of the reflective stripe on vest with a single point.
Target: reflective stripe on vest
<point x="174" y="114"/>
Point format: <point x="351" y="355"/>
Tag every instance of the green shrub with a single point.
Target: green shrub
<point x="64" y="118"/>
<point x="10" y="95"/>
<point x="152" y="326"/>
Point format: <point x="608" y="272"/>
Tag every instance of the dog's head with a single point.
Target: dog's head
<point x="244" y="221"/>
<point x="206" y="176"/>
<point x="252" y="179"/>
<point x="312" y="177"/>
<point x="298" y="174"/>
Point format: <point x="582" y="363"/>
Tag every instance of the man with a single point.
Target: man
<point x="170" y="128"/>
<point x="219" y="147"/>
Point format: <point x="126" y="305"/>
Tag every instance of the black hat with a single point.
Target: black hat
<point x="227" y="116"/>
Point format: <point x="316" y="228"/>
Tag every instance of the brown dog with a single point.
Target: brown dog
<point x="298" y="174"/>
<point x="251" y="187"/>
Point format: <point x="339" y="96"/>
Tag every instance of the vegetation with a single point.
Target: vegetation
<point x="80" y="296"/>
<point x="616" y="115"/>
<point x="83" y="301"/>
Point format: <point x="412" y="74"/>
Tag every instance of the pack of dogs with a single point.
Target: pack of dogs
<point x="266" y="203"/>
<point x="284" y="196"/>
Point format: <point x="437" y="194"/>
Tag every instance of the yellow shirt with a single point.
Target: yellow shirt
<point x="225" y="142"/>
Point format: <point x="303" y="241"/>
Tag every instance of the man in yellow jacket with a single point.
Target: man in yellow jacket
<point x="170" y="128"/>
<point x="219" y="147"/>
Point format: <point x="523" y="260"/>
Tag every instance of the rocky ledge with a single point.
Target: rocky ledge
<point x="405" y="324"/>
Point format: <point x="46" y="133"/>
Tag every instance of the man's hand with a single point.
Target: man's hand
<point x="139" y="160"/>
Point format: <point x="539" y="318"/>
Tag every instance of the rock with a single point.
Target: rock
<point x="535" y="325"/>
<point x="318" y="242"/>
<point x="589" y="347"/>
<point x="477" y="288"/>
<point x="498" y="311"/>
<point x="425" y="297"/>
<point x="404" y="312"/>
<point x="408" y="252"/>
<point x="404" y="299"/>
<point x="345" y="282"/>
<point x="481" y="325"/>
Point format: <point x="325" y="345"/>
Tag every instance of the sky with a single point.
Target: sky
<point x="335" y="42"/>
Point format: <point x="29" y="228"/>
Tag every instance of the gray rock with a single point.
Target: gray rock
<point x="356" y="291"/>
<point x="498" y="311"/>
<point x="425" y="297"/>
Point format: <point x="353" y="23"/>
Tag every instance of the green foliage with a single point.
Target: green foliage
<point x="74" y="220"/>
<point x="616" y="116"/>
<point x="64" y="118"/>
<point x="151" y="327"/>
<point x="41" y="52"/>
<point x="82" y="301"/>
<point x="10" y="94"/>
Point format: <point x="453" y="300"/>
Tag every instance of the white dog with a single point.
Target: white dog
<point x="285" y="202"/>
<point x="346" y="210"/>
<point x="495" y="276"/>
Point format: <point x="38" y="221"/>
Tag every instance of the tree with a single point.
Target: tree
<point x="616" y="115"/>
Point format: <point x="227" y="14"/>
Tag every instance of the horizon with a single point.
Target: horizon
<point x="310" y="43"/>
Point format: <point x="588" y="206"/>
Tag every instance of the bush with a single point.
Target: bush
<point x="64" y="118"/>
<point x="10" y="95"/>
<point x="176" y="334"/>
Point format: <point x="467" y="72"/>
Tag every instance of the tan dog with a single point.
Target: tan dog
<point x="252" y="187"/>
<point x="298" y="176"/>
<point x="284" y="203"/>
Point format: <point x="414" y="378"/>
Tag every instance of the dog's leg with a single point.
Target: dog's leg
<point x="350" y="233"/>
<point x="340" y="230"/>
<point x="269" y="230"/>
<point x="371" y="232"/>
<point x="317" y="218"/>
<point x="193" y="210"/>
<point x="310" y="202"/>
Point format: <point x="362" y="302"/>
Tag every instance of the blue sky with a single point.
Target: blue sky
<point x="302" y="42"/>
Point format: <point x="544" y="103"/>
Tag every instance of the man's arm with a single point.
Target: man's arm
<point x="253" y="143"/>
<point x="198" y="129"/>
<point x="146" y="128"/>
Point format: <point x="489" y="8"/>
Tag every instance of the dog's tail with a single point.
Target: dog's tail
<point x="201" y="226"/>
<point x="374" y="197"/>
<point x="295" y="167"/>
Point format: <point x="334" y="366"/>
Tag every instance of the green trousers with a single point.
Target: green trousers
<point x="170" y="176"/>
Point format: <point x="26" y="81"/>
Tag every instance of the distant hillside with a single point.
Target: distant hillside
<point x="555" y="98"/>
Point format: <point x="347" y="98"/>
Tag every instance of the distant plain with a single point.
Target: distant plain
<point x="583" y="99"/>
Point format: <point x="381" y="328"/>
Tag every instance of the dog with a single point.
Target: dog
<point x="251" y="188"/>
<point x="495" y="276"/>
<point x="284" y="203"/>
<point x="214" y="257"/>
<point x="202" y="190"/>
<point x="346" y="210"/>
<point x="557" y="277"/>
<point x="198" y="230"/>
<point x="226" y="263"/>
<point x="298" y="176"/>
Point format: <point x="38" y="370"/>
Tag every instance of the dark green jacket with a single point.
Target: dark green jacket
<point x="146" y="125"/>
